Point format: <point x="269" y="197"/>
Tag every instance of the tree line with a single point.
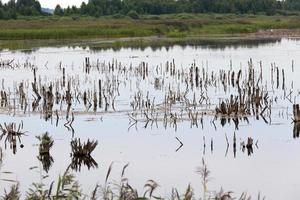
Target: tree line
<point x="13" y="8"/>
<point x="96" y="8"/>
<point x="156" y="7"/>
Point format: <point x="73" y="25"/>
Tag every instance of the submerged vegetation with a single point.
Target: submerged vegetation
<point x="12" y="134"/>
<point x="46" y="143"/>
<point x="81" y="154"/>
<point x="160" y="96"/>
<point x="184" y="95"/>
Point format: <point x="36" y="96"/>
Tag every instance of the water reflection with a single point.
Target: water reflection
<point x="1" y="156"/>
<point x="221" y="44"/>
<point x="154" y="44"/>
<point x="296" y="130"/>
<point x="81" y="154"/>
<point x="248" y="146"/>
<point x="46" y="143"/>
<point x="236" y="120"/>
<point x="47" y="160"/>
<point x="78" y="161"/>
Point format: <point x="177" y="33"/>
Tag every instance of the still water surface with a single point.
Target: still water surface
<point x="272" y="169"/>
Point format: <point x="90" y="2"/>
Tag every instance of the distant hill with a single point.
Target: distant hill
<point x="48" y="10"/>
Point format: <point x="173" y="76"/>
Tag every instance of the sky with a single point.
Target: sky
<point x="53" y="3"/>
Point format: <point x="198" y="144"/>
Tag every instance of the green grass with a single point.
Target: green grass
<point x="62" y="33"/>
<point x="65" y="28"/>
<point x="172" y="26"/>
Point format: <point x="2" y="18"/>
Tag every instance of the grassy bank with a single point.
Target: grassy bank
<point x="137" y="43"/>
<point x="176" y="26"/>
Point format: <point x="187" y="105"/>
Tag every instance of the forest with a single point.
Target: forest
<point x="133" y="8"/>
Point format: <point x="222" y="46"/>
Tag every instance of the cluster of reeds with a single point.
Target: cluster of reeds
<point x="81" y="154"/>
<point x="296" y="130"/>
<point x="6" y="63"/>
<point x="46" y="143"/>
<point x="178" y="93"/>
<point x="244" y="145"/>
<point x="83" y="149"/>
<point x="66" y="188"/>
<point x="296" y="120"/>
<point x="191" y="97"/>
<point x="12" y="134"/>
<point x="13" y="194"/>
<point x="250" y="98"/>
<point x="296" y="113"/>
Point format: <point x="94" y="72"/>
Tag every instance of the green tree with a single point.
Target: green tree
<point x="292" y="4"/>
<point x="58" y="10"/>
<point x="1" y="13"/>
<point x="83" y="9"/>
<point x="28" y="7"/>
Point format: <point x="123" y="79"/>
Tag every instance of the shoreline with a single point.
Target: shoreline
<point x="262" y="36"/>
<point x="155" y="31"/>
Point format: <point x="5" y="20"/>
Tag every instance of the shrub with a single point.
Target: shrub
<point x="133" y="14"/>
<point x="76" y="18"/>
<point x="118" y="16"/>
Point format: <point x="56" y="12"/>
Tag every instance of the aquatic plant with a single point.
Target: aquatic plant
<point x="12" y="134"/>
<point x="81" y="154"/>
<point x="46" y="143"/>
<point x="67" y="187"/>
<point x="13" y="194"/>
<point x="296" y="113"/>
<point x="82" y="149"/>
<point x="38" y="191"/>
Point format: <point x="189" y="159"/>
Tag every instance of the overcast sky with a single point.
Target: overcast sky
<point x="53" y="3"/>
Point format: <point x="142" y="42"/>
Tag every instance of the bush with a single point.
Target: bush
<point x="76" y="18"/>
<point x="118" y="16"/>
<point x="133" y="14"/>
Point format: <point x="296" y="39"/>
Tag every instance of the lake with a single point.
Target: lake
<point x="150" y="101"/>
